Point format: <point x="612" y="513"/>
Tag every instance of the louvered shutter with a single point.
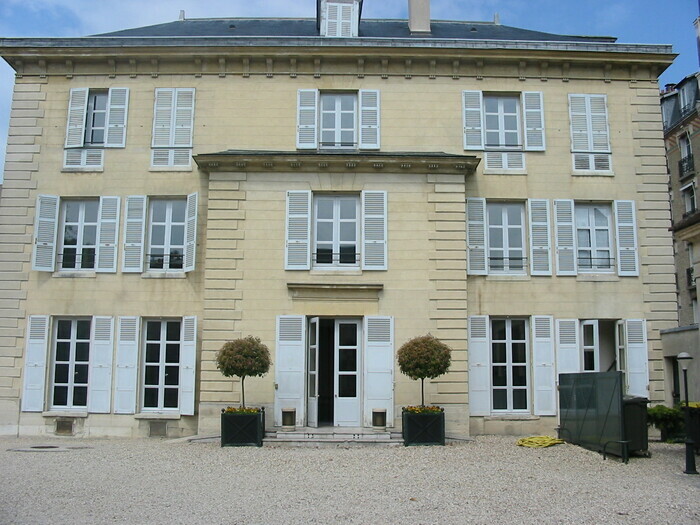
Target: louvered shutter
<point x="333" y="14"/>
<point x="374" y="230"/>
<point x="134" y="232"/>
<point x="37" y="340"/>
<point x="188" y="365"/>
<point x="637" y="358"/>
<point x="545" y="399"/>
<point x="347" y="20"/>
<point x="479" y="356"/>
<point x="191" y="232"/>
<point x="77" y="114"/>
<point x="369" y="119"/>
<point x="298" y="232"/>
<point x="565" y="235"/>
<point x="102" y="348"/>
<point x="183" y="118"/>
<point x="107" y="234"/>
<point x="476" y="236"/>
<point x="163" y="117"/>
<point x="600" y="135"/>
<point x="568" y="354"/>
<point x="540" y="239"/>
<point x="117" y="111"/>
<point x="578" y="115"/>
<point x="472" y="115"/>
<point x="290" y="367"/>
<point x="533" y="109"/>
<point x="45" y="228"/>
<point x="127" y="365"/>
<point x="626" y="233"/>
<point x="379" y="367"/>
<point x="307" y="119"/>
<point x="84" y="158"/>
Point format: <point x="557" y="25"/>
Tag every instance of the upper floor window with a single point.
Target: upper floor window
<point x="337" y="228"/>
<point x="594" y="237"/>
<point x="166" y="239"/>
<point x="503" y="125"/>
<point x="506" y="232"/>
<point x="96" y="119"/>
<point x="338" y="120"/>
<point x="590" y="135"/>
<point x="79" y="234"/>
<point x="688" y="196"/>
<point x="339" y="18"/>
<point x="173" y="122"/>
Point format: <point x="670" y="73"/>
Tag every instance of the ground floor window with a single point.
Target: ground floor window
<point x="161" y="370"/>
<point x="509" y="365"/>
<point x="71" y="363"/>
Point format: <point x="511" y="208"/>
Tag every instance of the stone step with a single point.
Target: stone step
<point x="331" y="436"/>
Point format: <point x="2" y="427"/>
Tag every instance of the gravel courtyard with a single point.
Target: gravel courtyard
<point x="488" y="480"/>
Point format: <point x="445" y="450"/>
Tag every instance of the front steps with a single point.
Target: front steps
<point x="331" y="436"/>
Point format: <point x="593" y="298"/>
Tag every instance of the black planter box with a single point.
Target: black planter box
<point x="241" y="430"/>
<point x="423" y="429"/>
<point x="692" y="426"/>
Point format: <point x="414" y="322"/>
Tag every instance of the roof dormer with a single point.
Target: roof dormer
<point x="339" y="18"/>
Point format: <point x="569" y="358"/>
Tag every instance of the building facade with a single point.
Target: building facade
<point x="335" y="187"/>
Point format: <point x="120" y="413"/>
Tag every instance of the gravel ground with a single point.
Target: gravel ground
<point x="488" y="480"/>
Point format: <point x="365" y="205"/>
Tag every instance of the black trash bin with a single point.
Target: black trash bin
<point x="636" y="430"/>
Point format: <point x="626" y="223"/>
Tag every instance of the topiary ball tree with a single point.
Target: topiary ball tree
<point x="424" y="357"/>
<point x="243" y="357"/>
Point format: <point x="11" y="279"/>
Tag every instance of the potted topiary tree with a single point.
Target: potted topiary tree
<point x="243" y="358"/>
<point x="424" y="357"/>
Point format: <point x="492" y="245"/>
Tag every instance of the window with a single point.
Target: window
<point x="503" y="126"/>
<point x="339" y="19"/>
<point x="84" y="233"/>
<point x="686" y="165"/>
<point x="688" y="197"/>
<point x="594" y="237"/>
<point x="161" y="368"/>
<point x="590" y="345"/>
<point x="590" y="136"/>
<point x="506" y="237"/>
<point x="71" y="363"/>
<point x="165" y="229"/>
<point x="96" y="119"/>
<point x="338" y="120"/>
<point x="509" y="365"/>
<point x="337" y="229"/>
<point x="173" y="122"/>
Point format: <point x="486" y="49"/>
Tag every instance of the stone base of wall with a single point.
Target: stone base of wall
<point x="503" y="426"/>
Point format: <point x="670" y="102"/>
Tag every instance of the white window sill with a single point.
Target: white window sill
<point x="65" y="413"/>
<point x="91" y="169"/>
<point x="597" y="277"/>
<point x="170" y="168"/>
<point x="164" y="275"/>
<point x="502" y="171"/>
<point x="507" y="277"/>
<point x="592" y="173"/>
<point x="335" y="271"/>
<point x="62" y="274"/>
<point x="157" y="415"/>
<point x="511" y="417"/>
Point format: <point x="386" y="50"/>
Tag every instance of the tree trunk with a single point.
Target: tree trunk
<point x="422" y="395"/>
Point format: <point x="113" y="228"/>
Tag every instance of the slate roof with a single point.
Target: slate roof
<point x="306" y="27"/>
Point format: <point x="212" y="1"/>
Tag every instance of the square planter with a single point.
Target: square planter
<point x="423" y="429"/>
<point x="241" y="430"/>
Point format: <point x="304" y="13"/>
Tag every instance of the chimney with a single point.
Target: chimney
<point x="419" y="17"/>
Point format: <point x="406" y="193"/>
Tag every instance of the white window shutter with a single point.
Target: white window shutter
<point x="101" y="350"/>
<point x="108" y="234"/>
<point x="117" y="111"/>
<point x="374" y="230"/>
<point x="568" y="353"/>
<point x="370" y="135"/>
<point x="533" y="110"/>
<point x="476" y="236"/>
<point x="126" y="379"/>
<point x="637" y="358"/>
<point x="307" y="119"/>
<point x="191" y="232"/>
<point x="540" y="238"/>
<point x="472" y="117"/>
<point x="297" y="253"/>
<point x="565" y="236"/>
<point x="333" y="14"/>
<point x="545" y="399"/>
<point x="77" y="113"/>
<point x="479" y="357"/>
<point x="134" y="233"/>
<point x="578" y="118"/>
<point x="347" y="21"/>
<point x="290" y="372"/>
<point x="600" y="134"/>
<point x="379" y="367"/>
<point x="188" y="365"/>
<point x="183" y="120"/>
<point x="626" y="236"/>
<point x="45" y="228"/>
<point x="163" y="117"/>
<point x="36" y="349"/>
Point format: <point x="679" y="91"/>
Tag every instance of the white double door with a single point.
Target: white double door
<point x="346" y="369"/>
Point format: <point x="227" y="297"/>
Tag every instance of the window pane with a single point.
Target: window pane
<point x="159" y="208"/>
<point x="61" y="373"/>
<point x="83" y="330"/>
<point x="170" y="400"/>
<point x="98" y="136"/>
<point x="511" y="139"/>
<point x="347" y="334"/>
<point x="491" y="104"/>
<point x="152" y="373"/>
<point x="312" y="385"/>
<point x="175" y="259"/>
<point x="347" y="386"/>
<point x="347" y="102"/>
<point x="520" y="399"/>
<point x="69" y="258"/>
<point x="72" y="211"/>
<point x="492" y="122"/>
<point x="347" y="231"/>
<point x="87" y="258"/>
<point x="324" y="208"/>
<point x="70" y="235"/>
<point x="153" y="330"/>
<point x="500" y="399"/>
<point x="173" y="331"/>
<point x="328" y="120"/>
<point x="347" y="138"/>
<point x="602" y="238"/>
<point x="90" y="235"/>
<point x="60" y="395"/>
<point x="347" y="360"/>
<point x="98" y="121"/>
<point x="63" y="329"/>
<point x="518" y="330"/>
<point x="496" y="259"/>
<point x="81" y="374"/>
<point x="155" y="261"/>
<point x="601" y="217"/>
<point x="80" y="396"/>
<point x="327" y="102"/>
<point x="348" y="209"/>
<point x="519" y="353"/>
<point x="498" y="329"/>
<point x="82" y="352"/>
<point x="152" y="353"/>
<point x="100" y="101"/>
<point x="493" y="139"/>
<point x="324" y="231"/>
<point x="172" y="353"/>
<point x="510" y="105"/>
<point x="347" y="121"/>
<point x="581" y="217"/>
<point x="91" y="211"/>
<point x="312" y="359"/>
<point x="158" y="234"/>
<point x="584" y="238"/>
<point x="324" y="255"/>
<point x="172" y="375"/>
<point x="179" y="210"/>
<point x="62" y="351"/>
<point x="496" y="237"/>
<point x="499" y="376"/>
<point x="515" y="215"/>
<point x="328" y="138"/>
<point x="515" y="259"/>
<point x="510" y="123"/>
<point x="588" y="361"/>
<point x="348" y="254"/>
<point x="515" y="238"/>
<point x="177" y="234"/>
<point x="498" y="352"/>
<point x="519" y="376"/>
<point x="587" y="335"/>
<point x="150" y="397"/>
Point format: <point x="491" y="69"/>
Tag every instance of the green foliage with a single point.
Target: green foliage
<point x="423" y="409"/>
<point x="243" y="357"/>
<point x="668" y="420"/>
<point x="424" y="357"/>
<point x="240" y="410"/>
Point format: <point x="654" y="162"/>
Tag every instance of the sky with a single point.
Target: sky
<point x="631" y="21"/>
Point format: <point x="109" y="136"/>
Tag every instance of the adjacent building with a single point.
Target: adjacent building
<point x="334" y="186"/>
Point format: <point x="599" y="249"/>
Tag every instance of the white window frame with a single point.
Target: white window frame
<point x="336" y="222"/>
<point x="592" y="229"/>
<point x="71" y="362"/>
<point x="92" y="112"/>
<point x="592" y="348"/>
<point x="173" y="129"/>
<point x="168" y="224"/>
<point x="684" y="145"/>
<point x="337" y="113"/>
<point x="689" y="199"/>
<point x="589" y="122"/>
<point x="505" y="228"/>
<point x="339" y="19"/>
<point x="161" y="364"/>
<point x="510" y="388"/>
<point x="81" y="224"/>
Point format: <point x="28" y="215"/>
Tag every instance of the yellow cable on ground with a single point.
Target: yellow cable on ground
<point x="538" y="441"/>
